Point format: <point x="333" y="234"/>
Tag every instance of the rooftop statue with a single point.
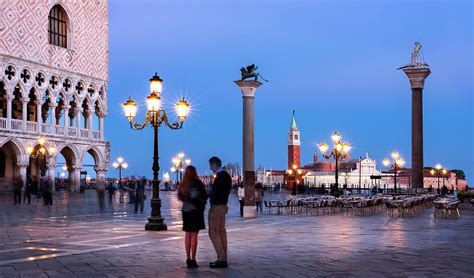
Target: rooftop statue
<point x="249" y="72"/>
<point x="416" y="60"/>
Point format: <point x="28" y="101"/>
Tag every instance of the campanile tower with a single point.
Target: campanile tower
<point x="294" y="144"/>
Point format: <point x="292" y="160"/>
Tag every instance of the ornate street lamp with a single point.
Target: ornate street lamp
<point x="294" y="172"/>
<point x="340" y="151"/>
<point x="155" y="116"/>
<point x="120" y="165"/>
<point x="40" y="152"/>
<point x="396" y="163"/>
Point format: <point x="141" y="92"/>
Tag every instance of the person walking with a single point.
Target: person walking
<point x="131" y="191"/>
<point x="259" y="196"/>
<point x="17" y="186"/>
<point x="28" y="189"/>
<point x="192" y="193"/>
<point x="241" y="193"/>
<point x="219" y="197"/>
<point x="140" y="195"/>
<point x="111" y="190"/>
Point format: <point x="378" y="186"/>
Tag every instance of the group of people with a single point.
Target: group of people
<point x="136" y="193"/>
<point x="192" y="193"/>
<point x="259" y="192"/>
<point x="44" y="190"/>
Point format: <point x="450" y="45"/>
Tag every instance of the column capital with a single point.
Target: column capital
<point x="417" y="76"/>
<point x="25" y="99"/>
<point x="9" y="97"/>
<point x="52" y="105"/>
<point x="248" y="88"/>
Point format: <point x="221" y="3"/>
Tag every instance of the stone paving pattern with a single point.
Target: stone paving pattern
<point x="84" y="237"/>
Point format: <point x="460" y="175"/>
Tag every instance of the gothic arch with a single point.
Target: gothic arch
<point x="18" y="146"/>
<point x="96" y="154"/>
<point x="70" y="153"/>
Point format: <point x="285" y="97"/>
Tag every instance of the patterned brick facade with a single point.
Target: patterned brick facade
<point x="24" y="34"/>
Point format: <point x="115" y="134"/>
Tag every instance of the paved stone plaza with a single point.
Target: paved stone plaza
<point x="79" y="235"/>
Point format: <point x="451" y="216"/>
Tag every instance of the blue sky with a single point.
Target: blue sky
<point x="334" y="62"/>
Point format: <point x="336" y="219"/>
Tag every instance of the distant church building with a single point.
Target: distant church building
<point x="53" y="89"/>
<point x="294" y="145"/>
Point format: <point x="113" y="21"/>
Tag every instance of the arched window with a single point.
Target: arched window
<point x="58" y="26"/>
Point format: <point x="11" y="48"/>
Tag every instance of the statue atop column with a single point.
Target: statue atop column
<point x="249" y="72"/>
<point x="416" y="60"/>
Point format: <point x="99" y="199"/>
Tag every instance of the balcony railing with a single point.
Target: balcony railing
<point x="47" y="128"/>
<point x="31" y="126"/>
<point x="84" y="133"/>
<point x="17" y="124"/>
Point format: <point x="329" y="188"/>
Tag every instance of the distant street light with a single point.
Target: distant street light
<point x="396" y="163"/>
<point x="178" y="162"/>
<point x="340" y="151"/>
<point x="294" y="172"/>
<point x="438" y="170"/>
<point x="120" y="165"/>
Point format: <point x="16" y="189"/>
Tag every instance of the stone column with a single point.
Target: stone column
<point x="78" y="121"/>
<point x="52" y="109"/>
<point x="76" y="178"/>
<point x="9" y="110"/>
<point x="38" y="115"/>
<point x="248" y="93"/>
<point x="417" y="76"/>
<point x="23" y="167"/>
<point x="66" y="120"/>
<point x="101" y="125"/>
<point x="51" y="174"/>
<point x="100" y="178"/>
<point x="24" y="112"/>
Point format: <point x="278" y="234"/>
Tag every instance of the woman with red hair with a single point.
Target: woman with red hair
<point x="192" y="193"/>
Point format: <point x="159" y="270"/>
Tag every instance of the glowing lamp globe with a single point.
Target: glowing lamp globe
<point x="130" y="109"/>
<point x="444" y="171"/>
<point x="156" y="84"/>
<point x="125" y="165"/>
<point x="182" y="109"/>
<point x="438" y="166"/>
<point x="41" y="140"/>
<point x="29" y="149"/>
<point x="432" y="172"/>
<point x="395" y="155"/>
<point x="386" y="162"/>
<point x="120" y="159"/>
<point x="153" y="102"/>
<point x="336" y="137"/>
<point x="115" y="165"/>
<point x="323" y="147"/>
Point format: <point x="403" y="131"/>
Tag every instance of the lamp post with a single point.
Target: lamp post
<point x="178" y="162"/>
<point x="120" y="165"/>
<point x="340" y="151"/>
<point x="397" y="162"/>
<point x="155" y="117"/>
<point x="293" y="172"/>
<point x="438" y="170"/>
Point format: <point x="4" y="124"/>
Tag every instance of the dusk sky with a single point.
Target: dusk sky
<point x="334" y="62"/>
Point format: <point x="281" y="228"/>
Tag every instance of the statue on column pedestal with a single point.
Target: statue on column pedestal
<point x="249" y="72"/>
<point x="416" y="61"/>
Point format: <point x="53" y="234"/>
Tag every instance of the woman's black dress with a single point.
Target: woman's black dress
<point x="193" y="219"/>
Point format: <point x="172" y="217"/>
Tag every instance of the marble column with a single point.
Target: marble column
<point x="52" y="109"/>
<point x="77" y="178"/>
<point x="101" y="125"/>
<point x="417" y="76"/>
<point x="66" y="120"/>
<point x="38" y="115"/>
<point x="100" y="178"/>
<point x="23" y="167"/>
<point x="24" y="112"/>
<point x="248" y="89"/>
<point x="9" y="110"/>
<point x="78" y="121"/>
<point x="51" y="174"/>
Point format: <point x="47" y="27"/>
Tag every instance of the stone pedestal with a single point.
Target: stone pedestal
<point x="248" y="89"/>
<point x="417" y="76"/>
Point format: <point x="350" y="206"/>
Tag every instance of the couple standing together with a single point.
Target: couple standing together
<point x="194" y="197"/>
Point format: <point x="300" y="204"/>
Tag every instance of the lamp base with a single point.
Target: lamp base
<point x="155" y="224"/>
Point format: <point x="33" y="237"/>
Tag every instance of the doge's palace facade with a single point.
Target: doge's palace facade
<point x="53" y="86"/>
